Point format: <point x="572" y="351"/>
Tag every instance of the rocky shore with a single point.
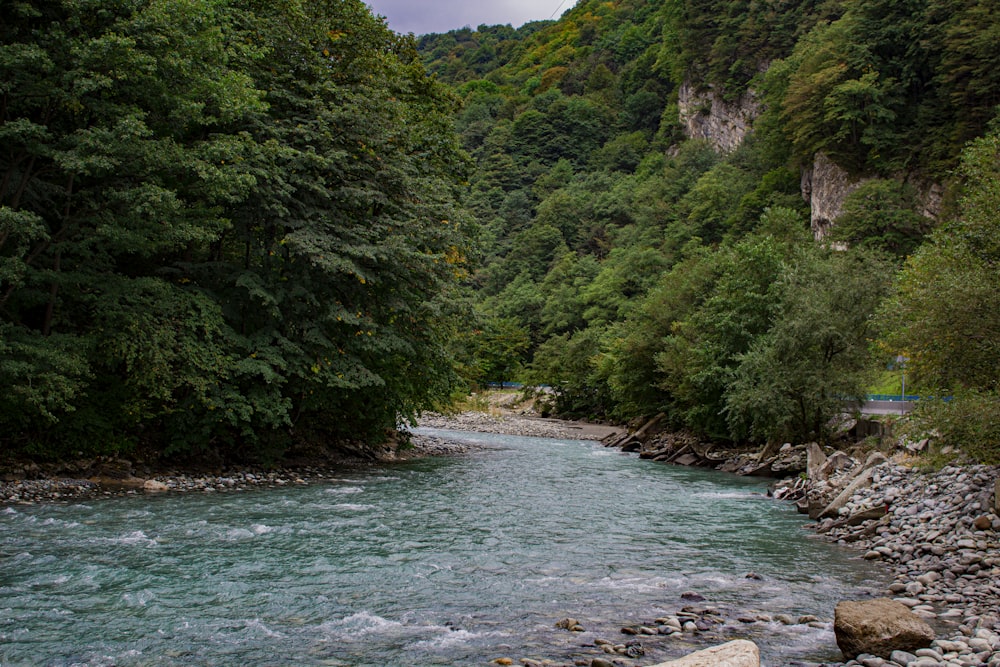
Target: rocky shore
<point x="937" y="532"/>
<point x="107" y="477"/>
<point x="505" y="423"/>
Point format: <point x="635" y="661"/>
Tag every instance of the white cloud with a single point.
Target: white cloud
<point x="424" y="16"/>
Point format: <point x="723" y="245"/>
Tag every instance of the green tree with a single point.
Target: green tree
<point x="796" y="377"/>
<point x="221" y="224"/>
<point x="882" y="214"/>
<point x="945" y="313"/>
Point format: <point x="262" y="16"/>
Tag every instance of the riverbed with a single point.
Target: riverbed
<point x="455" y="560"/>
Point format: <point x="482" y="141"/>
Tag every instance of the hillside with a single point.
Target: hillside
<point x="731" y="212"/>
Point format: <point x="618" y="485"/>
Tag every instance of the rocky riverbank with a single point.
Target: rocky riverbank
<point x="107" y="477"/>
<point x="937" y="532"/>
<point x="506" y="423"/>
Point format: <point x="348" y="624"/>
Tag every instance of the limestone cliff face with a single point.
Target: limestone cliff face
<point x="706" y="115"/>
<point x="825" y="186"/>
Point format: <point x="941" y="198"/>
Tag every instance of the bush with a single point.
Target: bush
<point x="968" y="423"/>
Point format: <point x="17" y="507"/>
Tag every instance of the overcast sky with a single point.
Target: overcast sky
<point x="424" y="16"/>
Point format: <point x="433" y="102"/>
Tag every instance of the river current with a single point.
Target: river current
<point x="446" y="561"/>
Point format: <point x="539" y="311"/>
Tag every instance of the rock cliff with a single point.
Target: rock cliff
<point x="825" y="185"/>
<point x="707" y="115"/>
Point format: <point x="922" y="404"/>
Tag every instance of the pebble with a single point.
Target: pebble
<point x="944" y="552"/>
<point x="29" y="491"/>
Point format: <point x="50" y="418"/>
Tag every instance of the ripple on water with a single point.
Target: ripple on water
<point x="344" y="490"/>
<point x="443" y="561"/>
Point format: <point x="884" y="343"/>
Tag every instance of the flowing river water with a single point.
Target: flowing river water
<point x="445" y="561"/>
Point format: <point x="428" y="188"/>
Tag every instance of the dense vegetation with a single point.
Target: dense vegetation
<point x="234" y="226"/>
<point x="638" y="271"/>
<point x="225" y="226"/>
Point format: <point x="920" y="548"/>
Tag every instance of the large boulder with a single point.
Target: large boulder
<point x="739" y="653"/>
<point x="879" y="627"/>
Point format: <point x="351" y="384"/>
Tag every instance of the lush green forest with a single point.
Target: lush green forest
<point x="235" y="226"/>
<point x="225" y="227"/>
<point x="637" y="269"/>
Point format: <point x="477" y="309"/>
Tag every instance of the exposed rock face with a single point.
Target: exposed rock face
<point x="879" y="627"/>
<point x="706" y="115"/>
<point x="739" y="653"/>
<point x="825" y="186"/>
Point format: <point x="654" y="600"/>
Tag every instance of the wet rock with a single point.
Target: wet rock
<point x="879" y="627"/>
<point x="570" y="624"/>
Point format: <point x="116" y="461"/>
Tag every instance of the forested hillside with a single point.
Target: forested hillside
<point x="649" y="182"/>
<point x="232" y="226"/>
<point x="225" y="227"/>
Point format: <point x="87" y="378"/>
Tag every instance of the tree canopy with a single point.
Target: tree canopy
<point x="222" y="224"/>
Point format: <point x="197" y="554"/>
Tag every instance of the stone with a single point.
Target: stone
<point x="879" y="627"/>
<point x="686" y="460"/>
<point x="825" y="186"/>
<point x="738" y="653"/>
<point x="815" y="461"/>
<point x="864" y="479"/>
<point x="835" y="463"/>
<point x="154" y="486"/>
<point x="710" y="116"/>
<point x="983" y="523"/>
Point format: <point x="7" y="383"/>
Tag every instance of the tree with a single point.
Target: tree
<point x="882" y="214"/>
<point x="709" y="343"/>
<point x="115" y="164"/>
<point x="222" y="224"/>
<point x="945" y="312"/>
<point x="798" y="375"/>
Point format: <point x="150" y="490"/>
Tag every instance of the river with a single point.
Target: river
<point x="445" y="561"/>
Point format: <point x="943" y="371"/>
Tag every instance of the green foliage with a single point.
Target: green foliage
<point x="498" y="350"/>
<point x="882" y="215"/>
<point x="968" y="424"/>
<point x="653" y="273"/>
<point x="223" y="225"/>
<point x="793" y="379"/>
<point x="945" y="314"/>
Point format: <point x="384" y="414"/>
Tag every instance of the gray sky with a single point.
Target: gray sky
<point x="424" y="16"/>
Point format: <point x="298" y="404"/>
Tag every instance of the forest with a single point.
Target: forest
<point x="637" y="265"/>
<point x="226" y="228"/>
<point x="235" y="226"/>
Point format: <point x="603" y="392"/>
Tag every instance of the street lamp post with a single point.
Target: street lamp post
<point x="901" y="360"/>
